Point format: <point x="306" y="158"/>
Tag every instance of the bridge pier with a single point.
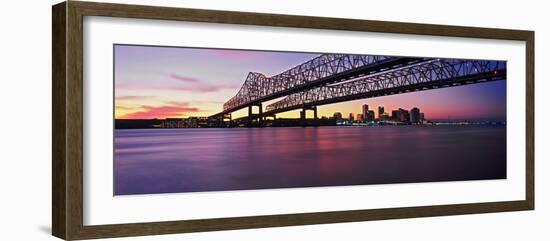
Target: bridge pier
<point x="315" y="113"/>
<point x="260" y="117"/>
<point x="255" y="117"/>
<point x="249" y="121"/>
<point x="303" y="117"/>
<point x="228" y="118"/>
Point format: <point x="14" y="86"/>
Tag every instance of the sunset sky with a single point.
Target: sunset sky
<point x="169" y="82"/>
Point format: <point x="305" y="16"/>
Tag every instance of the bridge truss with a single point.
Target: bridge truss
<point x="324" y="69"/>
<point x="425" y="74"/>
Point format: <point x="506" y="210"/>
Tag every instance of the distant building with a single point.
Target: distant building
<point x="192" y="122"/>
<point x="370" y="115"/>
<point x="421" y="117"/>
<point x="202" y="121"/>
<point x="337" y="116"/>
<point x="400" y="115"/>
<point x="415" y="116"/>
<point x="384" y="117"/>
<point x="380" y="112"/>
<point x="405" y="116"/>
<point x="173" y="123"/>
<point x="351" y="117"/>
<point x="365" y="111"/>
<point x="395" y="115"/>
<point x="359" y="117"/>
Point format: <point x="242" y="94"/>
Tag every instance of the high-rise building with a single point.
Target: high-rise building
<point x="415" y="115"/>
<point x="380" y="112"/>
<point x="421" y="117"/>
<point x="365" y="111"/>
<point x="337" y="115"/>
<point x="405" y="116"/>
<point x="370" y="115"/>
<point x="395" y="115"/>
<point x="351" y="117"/>
<point x="400" y="115"/>
<point x="360" y="117"/>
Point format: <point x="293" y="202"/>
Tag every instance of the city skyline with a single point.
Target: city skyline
<point x="169" y="82"/>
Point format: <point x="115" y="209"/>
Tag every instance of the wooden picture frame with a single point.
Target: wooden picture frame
<point x="67" y="152"/>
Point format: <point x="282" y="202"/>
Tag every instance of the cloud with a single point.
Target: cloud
<point x="177" y="103"/>
<point x="197" y="85"/>
<point x="207" y="102"/>
<point x="205" y="88"/>
<point x="184" y="78"/>
<point x="200" y="89"/>
<point x="133" y="97"/>
<point x="172" y="110"/>
<point x="120" y="107"/>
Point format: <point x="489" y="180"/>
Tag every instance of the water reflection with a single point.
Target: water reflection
<point x="193" y="160"/>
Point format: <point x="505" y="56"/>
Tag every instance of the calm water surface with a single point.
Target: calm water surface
<point x="193" y="160"/>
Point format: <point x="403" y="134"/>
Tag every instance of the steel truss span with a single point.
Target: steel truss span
<point x="324" y="69"/>
<point x="422" y="75"/>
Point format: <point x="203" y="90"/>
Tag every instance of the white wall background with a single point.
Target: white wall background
<point x="25" y="121"/>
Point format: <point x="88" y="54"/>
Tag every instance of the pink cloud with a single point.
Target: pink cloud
<point x="205" y="88"/>
<point x="191" y="85"/>
<point x="119" y="107"/>
<point x="207" y="102"/>
<point x="173" y="110"/>
<point x="184" y="78"/>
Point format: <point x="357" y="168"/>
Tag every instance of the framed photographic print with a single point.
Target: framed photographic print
<point x="171" y="120"/>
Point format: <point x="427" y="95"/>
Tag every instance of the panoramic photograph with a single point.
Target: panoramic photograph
<point x="205" y="119"/>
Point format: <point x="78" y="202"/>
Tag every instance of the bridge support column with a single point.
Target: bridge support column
<point x="228" y="118"/>
<point x="249" y="121"/>
<point x="315" y="119"/>
<point x="260" y="115"/>
<point x="315" y="112"/>
<point x="303" y="116"/>
<point x="255" y="117"/>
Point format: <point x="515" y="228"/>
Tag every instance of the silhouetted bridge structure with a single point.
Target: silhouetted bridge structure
<point x="334" y="78"/>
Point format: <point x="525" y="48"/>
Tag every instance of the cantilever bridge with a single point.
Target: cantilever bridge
<point x="333" y="78"/>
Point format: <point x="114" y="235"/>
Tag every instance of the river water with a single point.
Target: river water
<point x="192" y="160"/>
